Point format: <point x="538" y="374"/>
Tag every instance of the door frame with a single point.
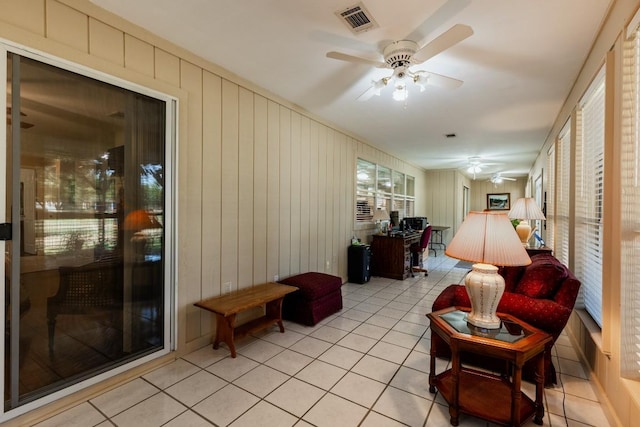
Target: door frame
<point x="170" y="326"/>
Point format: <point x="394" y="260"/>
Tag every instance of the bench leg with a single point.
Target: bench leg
<point x="273" y="310"/>
<point x="224" y="332"/>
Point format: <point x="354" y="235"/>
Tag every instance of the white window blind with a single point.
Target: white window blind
<point x="365" y="190"/>
<point x="562" y="202"/>
<point x="589" y="191"/>
<point x="630" y="211"/>
<point x="549" y="236"/>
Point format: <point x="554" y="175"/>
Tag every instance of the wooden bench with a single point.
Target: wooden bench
<point x="227" y="306"/>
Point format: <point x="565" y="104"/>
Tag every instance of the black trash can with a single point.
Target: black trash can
<point x="359" y="260"/>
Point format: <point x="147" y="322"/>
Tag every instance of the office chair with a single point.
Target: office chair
<point x="418" y="249"/>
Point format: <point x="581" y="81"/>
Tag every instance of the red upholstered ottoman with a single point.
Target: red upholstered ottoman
<point x="317" y="297"/>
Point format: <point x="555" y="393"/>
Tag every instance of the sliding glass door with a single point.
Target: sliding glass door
<point x="86" y="227"/>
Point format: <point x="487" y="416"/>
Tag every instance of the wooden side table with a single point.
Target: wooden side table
<point x="534" y="250"/>
<point x="493" y="397"/>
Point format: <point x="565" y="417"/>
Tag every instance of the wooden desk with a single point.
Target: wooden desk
<point x="391" y="256"/>
<point x="227" y="306"/>
<point x="495" y="398"/>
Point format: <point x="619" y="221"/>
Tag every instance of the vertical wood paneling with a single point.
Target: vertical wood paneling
<point x="260" y="159"/>
<point x="167" y="67"/>
<point x="138" y="55"/>
<point x="27" y="14"/>
<point x="273" y="189"/>
<point x="230" y="195"/>
<point x="321" y="198"/>
<point x="305" y="190"/>
<point x="106" y="42"/>
<point x="212" y="210"/>
<point x="284" y="233"/>
<point x="295" y="241"/>
<point x="480" y="188"/>
<point x="339" y="185"/>
<point x="314" y="233"/>
<point x="67" y="26"/>
<point x="328" y="202"/>
<point x="245" y="189"/>
<point x="190" y="231"/>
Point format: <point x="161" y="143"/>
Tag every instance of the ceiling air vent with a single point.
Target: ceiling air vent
<point x="357" y="18"/>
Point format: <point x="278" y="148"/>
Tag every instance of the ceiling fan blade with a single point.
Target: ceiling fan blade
<point x="449" y="38"/>
<point x="367" y="94"/>
<point x="437" y="80"/>
<point x="357" y="59"/>
<point x="374" y="89"/>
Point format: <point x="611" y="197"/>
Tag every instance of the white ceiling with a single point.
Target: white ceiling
<point x="517" y="67"/>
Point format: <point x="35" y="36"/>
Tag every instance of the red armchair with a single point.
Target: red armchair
<point x="542" y="294"/>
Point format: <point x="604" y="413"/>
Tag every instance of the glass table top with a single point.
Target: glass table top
<point x="509" y="331"/>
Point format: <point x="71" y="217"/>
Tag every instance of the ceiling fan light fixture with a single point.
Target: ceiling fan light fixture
<point x="421" y="80"/>
<point x="474" y="169"/>
<point x="400" y="93"/>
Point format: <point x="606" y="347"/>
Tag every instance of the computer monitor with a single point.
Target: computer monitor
<point x="416" y="222"/>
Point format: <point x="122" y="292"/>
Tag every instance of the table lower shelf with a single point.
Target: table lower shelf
<point x="484" y="395"/>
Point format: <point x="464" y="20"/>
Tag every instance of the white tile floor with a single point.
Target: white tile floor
<point x="365" y="366"/>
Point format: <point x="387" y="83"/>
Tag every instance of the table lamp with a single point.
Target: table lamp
<point x="378" y="216"/>
<point x="488" y="240"/>
<point x="525" y="209"/>
<point x="137" y="221"/>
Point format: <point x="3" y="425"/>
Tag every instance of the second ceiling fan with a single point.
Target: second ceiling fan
<point x="401" y="55"/>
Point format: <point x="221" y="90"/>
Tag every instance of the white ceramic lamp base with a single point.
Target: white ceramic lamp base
<point x="485" y="288"/>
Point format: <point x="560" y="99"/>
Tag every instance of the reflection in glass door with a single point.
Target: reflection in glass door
<point x="84" y="271"/>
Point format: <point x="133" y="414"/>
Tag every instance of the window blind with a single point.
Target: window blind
<point x="630" y="210"/>
<point x="562" y="202"/>
<point x="549" y="236"/>
<point x="589" y="191"/>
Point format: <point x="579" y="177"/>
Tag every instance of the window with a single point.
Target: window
<point x="562" y="202"/>
<point x="630" y="211"/>
<point x="381" y="187"/>
<point x="589" y="185"/>
<point x="549" y="202"/>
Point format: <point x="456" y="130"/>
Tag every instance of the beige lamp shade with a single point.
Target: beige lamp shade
<point x="381" y="215"/>
<point x="488" y="238"/>
<point x="526" y="208"/>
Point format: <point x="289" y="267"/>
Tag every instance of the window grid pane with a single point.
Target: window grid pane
<point x="381" y="187"/>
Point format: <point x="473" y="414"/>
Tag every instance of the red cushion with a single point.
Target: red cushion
<point x="511" y="277"/>
<point x="314" y="285"/>
<point x="541" y="279"/>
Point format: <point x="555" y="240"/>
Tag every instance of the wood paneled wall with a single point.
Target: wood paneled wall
<point x="480" y="189"/>
<point x="263" y="187"/>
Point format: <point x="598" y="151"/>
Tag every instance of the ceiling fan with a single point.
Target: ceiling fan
<point x="401" y="55"/>
<point x="497" y="178"/>
<point x="476" y="165"/>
